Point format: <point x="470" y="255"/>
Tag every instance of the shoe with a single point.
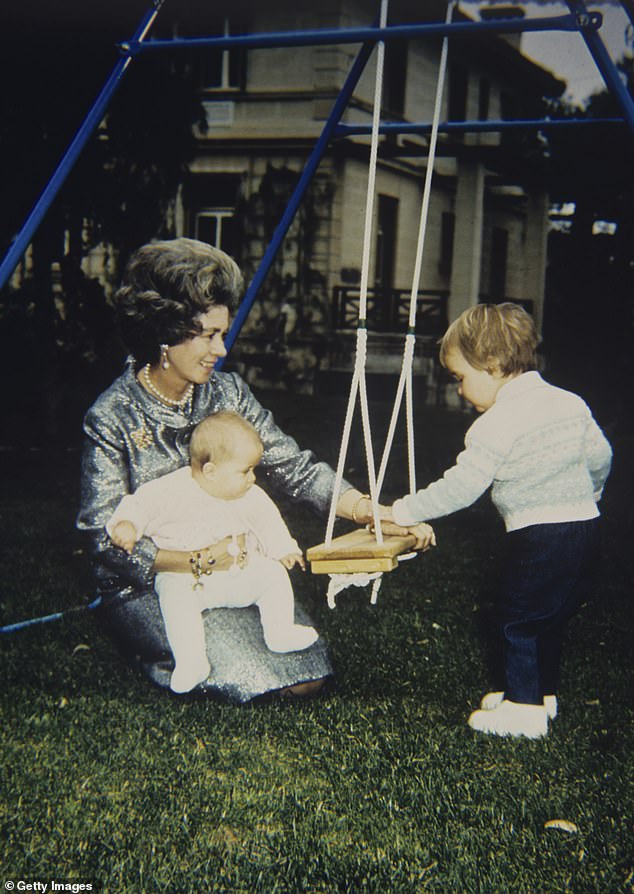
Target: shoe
<point x="550" y="703"/>
<point x="511" y="719"/>
<point x="295" y="639"/>
<point x="492" y="700"/>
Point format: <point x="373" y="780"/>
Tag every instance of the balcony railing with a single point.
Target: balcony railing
<point x="388" y="310"/>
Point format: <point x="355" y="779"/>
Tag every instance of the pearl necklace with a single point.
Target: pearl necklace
<point x="181" y="403"/>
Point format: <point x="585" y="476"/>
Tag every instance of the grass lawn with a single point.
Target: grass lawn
<point x="379" y="786"/>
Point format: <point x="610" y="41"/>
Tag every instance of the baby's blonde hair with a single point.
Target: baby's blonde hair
<point x="487" y="334"/>
<point x="216" y="437"/>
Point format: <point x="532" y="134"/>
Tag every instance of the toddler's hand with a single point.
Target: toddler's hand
<point x="124" y="535"/>
<point x="293" y="559"/>
<point x="424" y="534"/>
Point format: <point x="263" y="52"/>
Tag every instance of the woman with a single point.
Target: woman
<point x="173" y="310"/>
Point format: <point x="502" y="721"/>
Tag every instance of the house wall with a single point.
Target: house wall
<point x="408" y="190"/>
<point x="272" y="126"/>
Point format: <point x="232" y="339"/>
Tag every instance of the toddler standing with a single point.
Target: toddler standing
<point x="215" y="500"/>
<point x="546" y="460"/>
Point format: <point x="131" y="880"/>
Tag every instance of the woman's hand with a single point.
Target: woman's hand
<point x="353" y="505"/>
<point x="212" y="558"/>
<point x="216" y="557"/>
<point x="358" y="508"/>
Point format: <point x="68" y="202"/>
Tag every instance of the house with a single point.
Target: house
<point x="265" y="108"/>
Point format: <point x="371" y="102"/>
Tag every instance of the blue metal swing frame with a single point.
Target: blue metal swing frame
<point x="579" y="19"/>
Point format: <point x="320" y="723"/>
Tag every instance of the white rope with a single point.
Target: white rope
<point x="405" y="379"/>
<point x="358" y="385"/>
<point x="339" y="582"/>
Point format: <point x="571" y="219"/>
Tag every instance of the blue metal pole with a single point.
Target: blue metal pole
<point x="346" y="130"/>
<point x="95" y="115"/>
<point x="628" y="6"/>
<point x="298" y="193"/>
<point x="361" y="35"/>
<point x="603" y="60"/>
<point x="46" y="619"/>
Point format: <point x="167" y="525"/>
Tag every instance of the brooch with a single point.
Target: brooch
<point x="142" y="437"/>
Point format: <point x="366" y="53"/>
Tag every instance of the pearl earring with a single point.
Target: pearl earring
<point x="164" y="361"/>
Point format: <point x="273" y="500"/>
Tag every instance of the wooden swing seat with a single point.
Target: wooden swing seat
<point x="358" y="551"/>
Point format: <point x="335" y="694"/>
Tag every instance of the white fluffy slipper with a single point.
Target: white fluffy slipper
<point x="511" y="719"/>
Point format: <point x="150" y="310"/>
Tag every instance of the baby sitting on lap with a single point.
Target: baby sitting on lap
<point x="240" y="546"/>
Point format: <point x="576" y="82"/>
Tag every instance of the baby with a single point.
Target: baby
<point x="215" y="501"/>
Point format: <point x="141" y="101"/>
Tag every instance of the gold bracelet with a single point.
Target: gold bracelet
<point x="210" y="562"/>
<point x="196" y="565"/>
<point x="356" y="506"/>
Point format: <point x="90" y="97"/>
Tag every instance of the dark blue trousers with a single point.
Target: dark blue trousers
<point x="548" y="571"/>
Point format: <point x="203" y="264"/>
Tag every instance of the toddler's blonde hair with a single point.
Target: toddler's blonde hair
<point x="216" y="437"/>
<point x="493" y="334"/>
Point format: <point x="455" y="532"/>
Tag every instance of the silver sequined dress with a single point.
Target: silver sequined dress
<point x="130" y="438"/>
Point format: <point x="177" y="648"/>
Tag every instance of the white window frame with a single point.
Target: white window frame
<point x="217" y="214"/>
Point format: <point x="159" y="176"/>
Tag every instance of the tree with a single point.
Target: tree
<point x="118" y="195"/>
<point x="588" y="330"/>
<point x="292" y="304"/>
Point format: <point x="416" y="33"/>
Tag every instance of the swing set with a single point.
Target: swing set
<point x="361" y="556"/>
